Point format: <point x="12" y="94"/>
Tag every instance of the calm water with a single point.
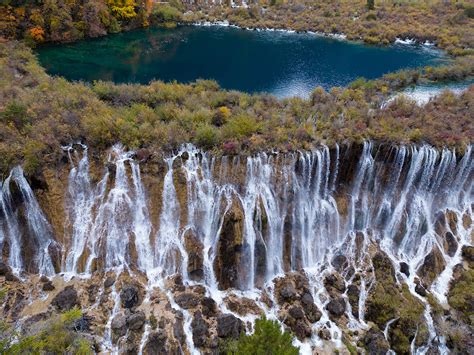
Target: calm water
<point x="283" y="64"/>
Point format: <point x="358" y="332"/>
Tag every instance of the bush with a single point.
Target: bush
<point x="206" y="136"/>
<point x="266" y="339"/>
<point x="241" y="126"/>
<point x="56" y="335"/>
<point x="166" y="14"/>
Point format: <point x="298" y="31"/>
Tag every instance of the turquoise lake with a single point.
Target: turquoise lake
<point x="280" y="63"/>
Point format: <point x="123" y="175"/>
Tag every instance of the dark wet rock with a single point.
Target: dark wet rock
<point x="302" y="329"/>
<point x="119" y="325"/>
<point x="44" y="278"/>
<point x="129" y="296"/>
<point x="156" y="343"/>
<point x="109" y="281"/>
<point x="336" y="307"/>
<point x="432" y="266"/>
<point x="11" y="278"/>
<point x="66" y="299"/>
<point x="405" y="268"/>
<point x="324" y="333"/>
<point x="209" y="307"/>
<point x="420" y="290"/>
<point x="339" y="262"/>
<point x="136" y="320"/>
<point x="313" y="314"/>
<point x="48" y="286"/>
<point x="194" y="248"/>
<point x="229" y="326"/>
<point x="200" y="330"/>
<point x="187" y="300"/>
<point x="296" y="312"/>
<point x="334" y="283"/>
<point x="4" y="269"/>
<point x="450" y="244"/>
<point x="287" y="293"/>
<point x="229" y="247"/>
<point x="178" y="330"/>
<point x="375" y="342"/>
<point x="353" y="295"/>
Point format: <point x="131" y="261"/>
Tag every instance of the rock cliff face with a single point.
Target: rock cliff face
<point x="350" y="247"/>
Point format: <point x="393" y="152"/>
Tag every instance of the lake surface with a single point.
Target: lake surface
<point x="280" y="63"/>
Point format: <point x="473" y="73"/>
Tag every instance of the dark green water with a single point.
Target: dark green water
<point x="283" y="64"/>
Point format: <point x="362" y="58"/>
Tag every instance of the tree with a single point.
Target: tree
<point x="267" y="339"/>
<point x="371" y="4"/>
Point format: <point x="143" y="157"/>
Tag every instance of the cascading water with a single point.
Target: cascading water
<point x="299" y="211"/>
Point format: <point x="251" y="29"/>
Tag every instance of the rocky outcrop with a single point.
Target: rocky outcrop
<point x="66" y="299"/>
<point x="432" y="266"/>
<point x="229" y="326"/>
<point x="229" y="247"/>
<point x="297" y="308"/>
<point x="194" y="248"/>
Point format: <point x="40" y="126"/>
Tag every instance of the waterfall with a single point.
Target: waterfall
<point x="299" y="210"/>
<point x="38" y="232"/>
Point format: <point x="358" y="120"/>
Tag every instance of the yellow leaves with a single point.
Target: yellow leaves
<point x="123" y="9"/>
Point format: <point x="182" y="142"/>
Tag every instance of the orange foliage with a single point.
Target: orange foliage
<point x="37" y="33"/>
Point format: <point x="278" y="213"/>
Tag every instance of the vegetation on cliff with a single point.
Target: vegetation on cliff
<point x="267" y="338"/>
<point x="39" y="113"/>
<point x="58" y="334"/>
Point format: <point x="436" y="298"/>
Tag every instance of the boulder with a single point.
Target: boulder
<point x="375" y="342"/>
<point x="156" y="343"/>
<point x="296" y="312"/>
<point x="187" y="300"/>
<point x="432" y="266"/>
<point x="209" y="307"/>
<point x="129" y="296"/>
<point x="109" y="281"/>
<point x="313" y="314"/>
<point x="420" y="290"/>
<point x="200" y="330"/>
<point x="229" y="326"/>
<point x="48" y="286"/>
<point x="119" y="325"/>
<point x="4" y="269"/>
<point x="336" y="307"/>
<point x="287" y="293"/>
<point x="353" y="295"/>
<point x="66" y="299"/>
<point x="405" y="268"/>
<point x="324" y="333"/>
<point x="135" y="321"/>
<point x="334" y="283"/>
<point x="450" y="244"/>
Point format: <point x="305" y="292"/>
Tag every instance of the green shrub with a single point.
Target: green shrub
<point x="266" y="339"/>
<point x="166" y="14"/>
<point x="469" y="11"/>
<point x="206" y="136"/>
<point x="241" y="126"/>
<point x="56" y="335"/>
